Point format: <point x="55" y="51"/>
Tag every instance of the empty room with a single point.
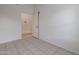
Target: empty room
<point x="39" y="29"/>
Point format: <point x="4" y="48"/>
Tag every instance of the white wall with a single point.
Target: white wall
<point x="35" y="22"/>
<point x="10" y="21"/>
<point x="58" y="25"/>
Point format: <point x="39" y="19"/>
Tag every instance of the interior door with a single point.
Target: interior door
<point x="26" y="24"/>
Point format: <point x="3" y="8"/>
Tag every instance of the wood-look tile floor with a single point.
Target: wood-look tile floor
<point x="31" y="46"/>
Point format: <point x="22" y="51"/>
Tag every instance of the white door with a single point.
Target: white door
<point x="26" y="23"/>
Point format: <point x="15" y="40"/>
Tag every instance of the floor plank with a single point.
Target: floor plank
<point x="31" y="46"/>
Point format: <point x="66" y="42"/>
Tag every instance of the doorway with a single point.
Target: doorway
<point x="26" y="25"/>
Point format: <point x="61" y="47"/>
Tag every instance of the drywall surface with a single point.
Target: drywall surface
<point x="10" y="21"/>
<point x="58" y="24"/>
<point x="35" y="23"/>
